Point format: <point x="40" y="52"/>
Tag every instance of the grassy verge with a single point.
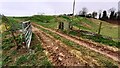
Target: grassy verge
<point x="20" y="57"/>
<point x="95" y="38"/>
<point x="12" y="57"/>
<point x="102" y="60"/>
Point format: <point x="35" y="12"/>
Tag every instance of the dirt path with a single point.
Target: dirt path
<point x="105" y="51"/>
<point x="57" y="53"/>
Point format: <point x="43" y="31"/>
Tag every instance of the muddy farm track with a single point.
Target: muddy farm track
<point x="111" y="53"/>
<point x="54" y="50"/>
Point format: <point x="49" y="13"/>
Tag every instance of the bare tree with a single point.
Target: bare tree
<point x="118" y="15"/>
<point x="119" y="6"/>
<point x="112" y="9"/>
<point x="83" y="12"/>
<point x="94" y="14"/>
<point x="100" y="11"/>
<point x="112" y="13"/>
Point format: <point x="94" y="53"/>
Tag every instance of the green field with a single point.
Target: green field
<point x="108" y="31"/>
<point x="91" y="25"/>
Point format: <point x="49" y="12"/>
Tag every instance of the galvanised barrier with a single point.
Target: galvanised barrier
<point x="27" y="32"/>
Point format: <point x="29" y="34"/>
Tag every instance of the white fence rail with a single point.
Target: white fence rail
<point x="27" y="32"/>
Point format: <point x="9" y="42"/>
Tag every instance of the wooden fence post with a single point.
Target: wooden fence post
<point x="100" y="28"/>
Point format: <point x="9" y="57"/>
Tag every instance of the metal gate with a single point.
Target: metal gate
<point x="27" y="32"/>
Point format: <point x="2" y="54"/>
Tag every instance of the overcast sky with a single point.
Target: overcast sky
<point x="52" y="7"/>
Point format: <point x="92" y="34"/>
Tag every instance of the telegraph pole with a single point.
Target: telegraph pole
<point x="73" y="7"/>
<point x="70" y="24"/>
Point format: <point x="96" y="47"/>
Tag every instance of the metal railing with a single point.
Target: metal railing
<point x="27" y="32"/>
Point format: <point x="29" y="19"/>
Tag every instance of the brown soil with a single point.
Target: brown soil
<point x="57" y="54"/>
<point x="100" y="49"/>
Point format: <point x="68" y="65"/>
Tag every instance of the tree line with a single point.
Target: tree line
<point x="103" y="15"/>
<point x="110" y="15"/>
